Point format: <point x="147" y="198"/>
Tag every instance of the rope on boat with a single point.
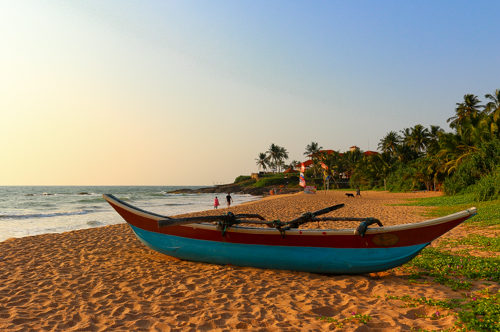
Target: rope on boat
<point x="226" y="222"/>
<point x="363" y="226"/>
<point x="278" y="224"/>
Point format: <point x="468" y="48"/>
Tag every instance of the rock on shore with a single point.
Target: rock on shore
<point x="237" y="189"/>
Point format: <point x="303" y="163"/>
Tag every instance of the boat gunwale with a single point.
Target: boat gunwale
<point x="311" y="232"/>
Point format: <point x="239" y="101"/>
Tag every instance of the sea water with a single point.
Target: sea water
<point x="33" y="210"/>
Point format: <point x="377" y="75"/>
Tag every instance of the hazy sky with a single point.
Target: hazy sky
<point x="189" y="92"/>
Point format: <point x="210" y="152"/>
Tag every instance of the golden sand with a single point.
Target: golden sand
<point x="104" y="279"/>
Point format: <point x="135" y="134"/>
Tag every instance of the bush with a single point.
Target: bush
<point x="488" y="188"/>
<point x="242" y="178"/>
<point x="467" y="173"/>
<point x="275" y="179"/>
<point x="365" y="182"/>
<point x="478" y="165"/>
<point x="403" y="179"/>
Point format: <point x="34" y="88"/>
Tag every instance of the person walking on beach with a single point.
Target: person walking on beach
<point x="229" y="199"/>
<point x="216" y="203"/>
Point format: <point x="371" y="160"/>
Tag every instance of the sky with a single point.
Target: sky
<point x="190" y="92"/>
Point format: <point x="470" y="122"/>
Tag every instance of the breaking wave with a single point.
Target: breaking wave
<point x="44" y="215"/>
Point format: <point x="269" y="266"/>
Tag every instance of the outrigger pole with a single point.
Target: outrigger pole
<point x="225" y="221"/>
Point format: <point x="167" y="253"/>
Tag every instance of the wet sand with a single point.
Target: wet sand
<point x="104" y="279"/>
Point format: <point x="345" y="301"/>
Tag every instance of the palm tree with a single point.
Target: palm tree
<point x="406" y="136"/>
<point x="419" y="138"/>
<point x="423" y="173"/>
<point x="383" y="164"/>
<point x="274" y="151"/>
<point x="492" y="108"/>
<point x="466" y="111"/>
<point x="312" y="149"/>
<point x="390" y="143"/>
<point x="453" y="151"/>
<point x="278" y="155"/>
<point x="350" y="161"/>
<point x="262" y="161"/>
<point x="435" y="133"/>
<point x="293" y="164"/>
<point x="405" y="151"/>
<point x="494" y="104"/>
<point x="283" y="155"/>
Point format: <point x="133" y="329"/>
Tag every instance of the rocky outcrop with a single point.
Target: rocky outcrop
<point x="236" y="189"/>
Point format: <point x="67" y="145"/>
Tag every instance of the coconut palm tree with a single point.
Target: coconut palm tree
<point x="383" y="164"/>
<point x="293" y="164"/>
<point x="466" y="111"/>
<point x="278" y="155"/>
<point x="283" y="155"/>
<point x="273" y="152"/>
<point x="312" y="149"/>
<point x="262" y="161"/>
<point x="435" y="133"/>
<point x="494" y="104"/>
<point x="405" y="151"/>
<point x="492" y="108"/>
<point x="389" y="143"/>
<point x="406" y="134"/>
<point x="419" y="138"/>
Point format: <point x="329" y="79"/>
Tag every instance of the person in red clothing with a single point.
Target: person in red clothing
<point x="216" y="203"/>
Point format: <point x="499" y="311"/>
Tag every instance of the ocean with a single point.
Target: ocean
<point x="33" y="210"/>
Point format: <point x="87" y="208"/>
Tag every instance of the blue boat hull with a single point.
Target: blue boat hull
<point x="310" y="259"/>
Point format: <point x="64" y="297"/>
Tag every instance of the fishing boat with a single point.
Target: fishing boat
<point x="284" y="245"/>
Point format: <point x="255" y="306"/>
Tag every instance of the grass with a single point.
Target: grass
<point x="488" y="213"/>
<point x="479" y="242"/>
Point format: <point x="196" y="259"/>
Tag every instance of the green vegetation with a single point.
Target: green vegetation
<point x="242" y="178"/>
<point x="270" y="180"/>
<point x="355" y="317"/>
<point x="274" y="158"/>
<point x="482" y="313"/>
<point x="488" y="212"/>
<point x="488" y="187"/>
<point x="479" y="311"/>
<point x="483" y="243"/>
<point x="450" y="269"/>
<point x="465" y="161"/>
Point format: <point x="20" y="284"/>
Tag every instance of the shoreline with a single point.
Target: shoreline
<point x="105" y="279"/>
<point x="58" y="211"/>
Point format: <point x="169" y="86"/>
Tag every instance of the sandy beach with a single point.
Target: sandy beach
<point x="104" y="279"/>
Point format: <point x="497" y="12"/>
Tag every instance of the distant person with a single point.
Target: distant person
<point x="229" y="199"/>
<point x="358" y="192"/>
<point x="216" y="203"/>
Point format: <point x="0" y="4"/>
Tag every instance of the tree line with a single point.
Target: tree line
<point x="466" y="159"/>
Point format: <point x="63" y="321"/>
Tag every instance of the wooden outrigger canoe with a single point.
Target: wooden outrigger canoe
<point x="284" y="246"/>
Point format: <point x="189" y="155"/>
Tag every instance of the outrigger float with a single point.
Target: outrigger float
<point x="283" y="245"/>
